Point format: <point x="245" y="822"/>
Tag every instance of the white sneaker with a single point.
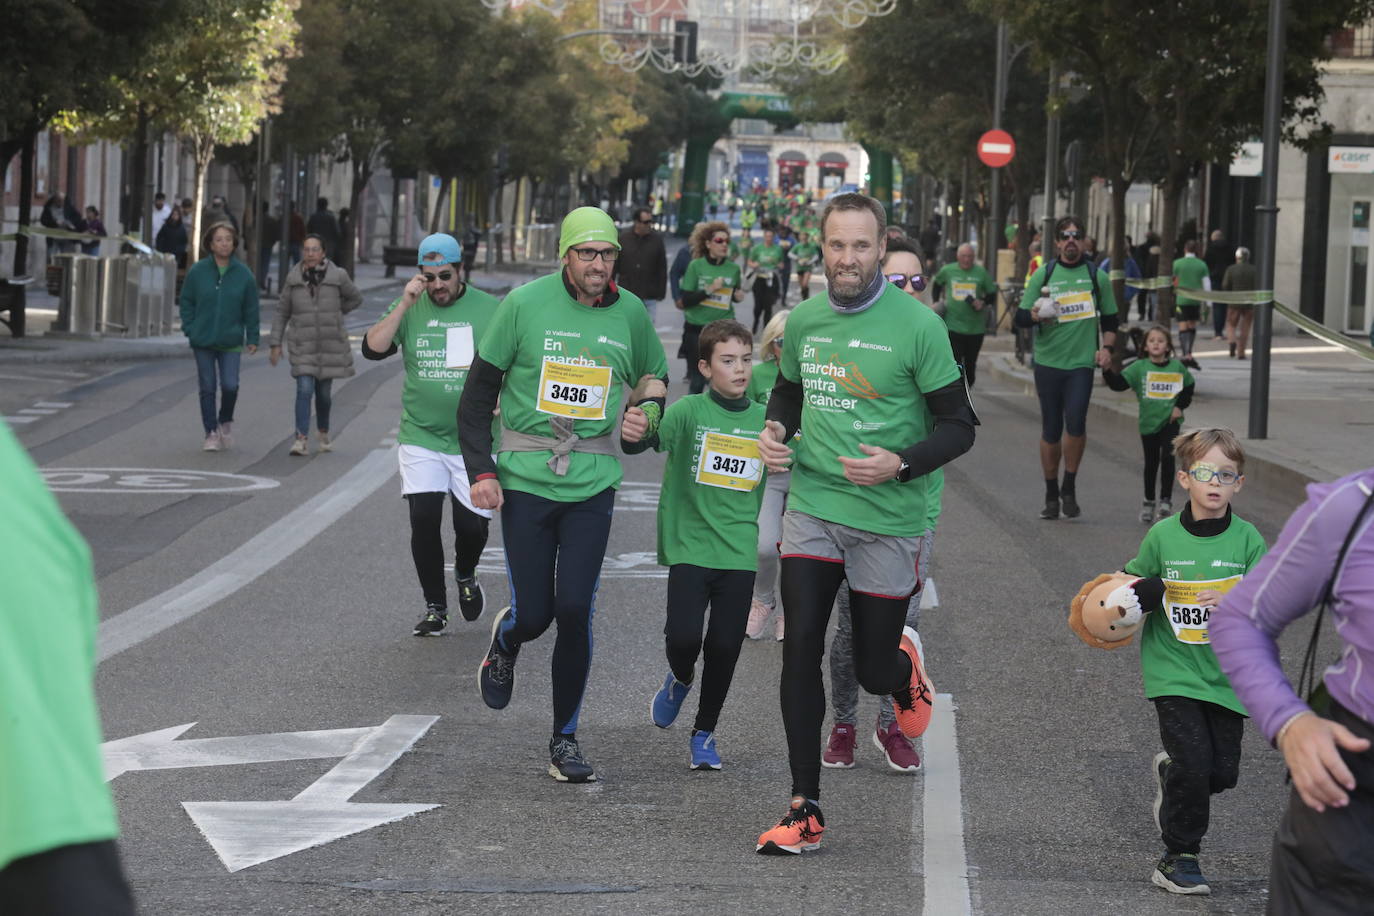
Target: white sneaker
<point x="298" y="447"/>
<point x="326" y="444"/>
<point x="1147" y="511"/>
<point x="226" y="434"/>
<point x="212" y="441"/>
<point x="759" y="613"/>
<point x="777" y="628"/>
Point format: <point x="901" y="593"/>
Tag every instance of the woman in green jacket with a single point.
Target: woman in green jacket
<point x="219" y="312"/>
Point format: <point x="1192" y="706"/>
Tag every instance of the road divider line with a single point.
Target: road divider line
<point x="942" y="821"/>
<point x="244" y="565"/>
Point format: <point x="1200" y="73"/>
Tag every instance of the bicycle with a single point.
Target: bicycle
<point x="1023" y="337"/>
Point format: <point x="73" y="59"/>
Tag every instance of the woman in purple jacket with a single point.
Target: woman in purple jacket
<point x="1323" y="858"/>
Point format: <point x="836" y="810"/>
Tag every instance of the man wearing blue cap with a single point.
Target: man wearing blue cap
<point x="560" y="352"/>
<point x="437" y="322"/>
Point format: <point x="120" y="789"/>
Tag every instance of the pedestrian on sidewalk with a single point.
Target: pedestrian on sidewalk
<point x="324" y="224"/>
<point x="92" y="225"/>
<point x="708" y="522"/>
<point x="558" y="356"/>
<point x="1218" y="257"/>
<point x="1239" y="278"/>
<point x="1323" y="860"/>
<point x="642" y="267"/>
<point x="173" y="238"/>
<point x="1164" y="389"/>
<point x="310" y="319"/>
<point x="219" y="316"/>
<point x="437" y="322"/>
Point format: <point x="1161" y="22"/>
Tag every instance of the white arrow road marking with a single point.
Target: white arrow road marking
<point x="946" y="868"/>
<point x="255" y="557"/>
<point x="930" y="598"/>
<point x="244" y="834"/>
<point x="160" y="750"/>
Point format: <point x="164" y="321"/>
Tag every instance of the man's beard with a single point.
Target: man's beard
<point x="848" y="289"/>
<point x="584" y="285"/>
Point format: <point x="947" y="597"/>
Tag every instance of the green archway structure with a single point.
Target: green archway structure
<point x="775" y="108"/>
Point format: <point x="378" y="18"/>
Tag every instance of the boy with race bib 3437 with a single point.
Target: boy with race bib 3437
<point x="1200" y="554"/>
<point x="707" y="529"/>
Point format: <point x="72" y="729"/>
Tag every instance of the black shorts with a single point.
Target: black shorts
<point x="1189" y="312"/>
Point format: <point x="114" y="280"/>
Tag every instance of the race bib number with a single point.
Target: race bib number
<point x="720" y="299"/>
<point x="1163" y="386"/>
<point x="1075" y="306"/>
<point x="1187" y="616"/>
<point x="732" y="462"/>
<point x="579" y="392"/>
<point x="458" y="348"/>
<point x="962" y="291"/>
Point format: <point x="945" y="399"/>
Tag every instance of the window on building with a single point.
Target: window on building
<point x="1356" y="42"/>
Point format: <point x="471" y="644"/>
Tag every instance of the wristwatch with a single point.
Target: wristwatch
<point x="903" y="471"/>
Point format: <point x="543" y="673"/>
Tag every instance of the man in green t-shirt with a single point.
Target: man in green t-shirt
<point x="558" y="355"/>
<point x="57" y="817"/>
<point x="437" y="322"/>
<point x="867" y="371"/>
<point x="966" y="290"/>
<point x="1071" y="301"/>
<point x="764" y="261"/>
<point x="1190" y="272"/>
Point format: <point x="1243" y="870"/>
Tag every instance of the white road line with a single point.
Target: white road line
<point x="942" y="822"/>
<point x="60" y="405"/>
<point x="19" y="419"/>
<point x="41" y="411"/>
<point x="241" y="567"/>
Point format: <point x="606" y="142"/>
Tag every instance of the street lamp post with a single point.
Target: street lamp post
<point x="1267" y="218"/>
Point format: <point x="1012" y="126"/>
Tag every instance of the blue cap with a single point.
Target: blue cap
<point x="442" y="244"/>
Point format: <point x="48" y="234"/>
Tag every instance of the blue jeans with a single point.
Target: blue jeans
<point x="651" y="306"/>
<point x="227" y="364"/>
<point x="306" y="386"/>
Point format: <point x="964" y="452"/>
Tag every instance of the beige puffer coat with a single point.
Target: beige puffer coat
<point x="313" y="320"/>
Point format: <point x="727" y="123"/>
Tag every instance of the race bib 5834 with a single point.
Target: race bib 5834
<point x="1188" y="618"/>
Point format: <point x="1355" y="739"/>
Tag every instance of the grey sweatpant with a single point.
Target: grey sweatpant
<point x="775" y="489"/>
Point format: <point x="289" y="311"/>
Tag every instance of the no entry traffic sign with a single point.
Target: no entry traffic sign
<point x="996" y="148"/>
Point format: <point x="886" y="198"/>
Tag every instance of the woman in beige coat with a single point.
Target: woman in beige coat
<point x="310" y="312"/>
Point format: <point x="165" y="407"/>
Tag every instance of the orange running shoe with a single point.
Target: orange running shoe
<point x="800" y="829"/>
<point x="914" y="703"/>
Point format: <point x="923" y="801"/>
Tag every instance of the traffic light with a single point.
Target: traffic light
<point x="684" y="42"/>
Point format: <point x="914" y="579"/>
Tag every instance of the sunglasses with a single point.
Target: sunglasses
<point x="644" y="222"/>
<point x="1202" y="474"/>
<point x="589" y="254"/>
<point x="443" y="275"/>
<point x="720" y="240"/>
<point x="1070" y="234"/>
<point x="917" y="281"/>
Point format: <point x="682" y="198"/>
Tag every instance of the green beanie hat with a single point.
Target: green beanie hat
<point x="587" y="224"/>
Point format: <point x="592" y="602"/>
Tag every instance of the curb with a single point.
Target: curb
<point x="1286" y="477"/>
<point x="76" y="350"/>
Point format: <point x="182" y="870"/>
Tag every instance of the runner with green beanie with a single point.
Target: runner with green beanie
<point x="559" y="354"/>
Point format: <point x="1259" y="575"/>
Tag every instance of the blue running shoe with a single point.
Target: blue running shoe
<point x="704" y="756"/>
<point x="668" y="701"/>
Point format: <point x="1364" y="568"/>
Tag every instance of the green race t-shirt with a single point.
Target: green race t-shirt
<point x="767" y="257"/>
<point x="805" y="255"/>
<point x="701" y="273"/>
<point x="960" y="284"/>
<point x="935" y="492"/>
<point x="1070" y="341"/>
<point x="1176" y="657"/>
<point x="708" y="511"/>
<point x="762" y="378"/>
<point x="1158" y="387"/>
<point x="52" y="778"/>
<point x="563" y="358"/>
<point x="865" y="377"/>
<point x="438" y="344"/>
<point x="1189" y="272"/>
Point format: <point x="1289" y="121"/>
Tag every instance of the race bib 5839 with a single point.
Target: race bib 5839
<point x="732" y="462"/>
<point x="573" y="391"/>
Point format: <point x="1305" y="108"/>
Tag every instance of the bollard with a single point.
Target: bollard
<point x="62" y="263"/>
<point x="114" y="278"/>
<point x="169" y="288"/>
<point x="82" y="288"/>
<point x="147" y="296"/>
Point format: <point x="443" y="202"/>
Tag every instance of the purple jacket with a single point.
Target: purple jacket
<point x="1286" y="585"/>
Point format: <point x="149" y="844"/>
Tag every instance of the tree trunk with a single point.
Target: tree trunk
<point x="1025" y="229"/>
<point x="204" y="153"/>
<point x="1118" y="242"/>
<point x="1168" y="229"/>
<point x="362" y="174"/>
<point x="21" y="242"/>
<point x="500" y="194"/>
<point x="437" y="220"/>
<point x="138" y="177"/>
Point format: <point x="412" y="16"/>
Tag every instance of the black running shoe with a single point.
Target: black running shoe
<point x="1191" y="364"/>
<point x="433" y="622"/>
<point x="496" y="677"/>
<point x="1180" y="873"/>
<point x="1051" y="510"/>
<point x="1070" y="503"/>
<point x="470" y="600"/>
<point x="566" y="763"/>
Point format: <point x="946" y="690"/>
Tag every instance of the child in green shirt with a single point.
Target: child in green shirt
<point x="1164" y="387"/>
<point x="1199" y="555"/>
<point x="708" y="529"/>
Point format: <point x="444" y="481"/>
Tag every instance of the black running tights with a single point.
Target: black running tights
<point x="427" y="542"/>
<point x="808" y="592"/>
<point x="690" y="590"/>
<point x="1159" y="461"/>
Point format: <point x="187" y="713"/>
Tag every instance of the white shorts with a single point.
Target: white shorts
<point x="424" y="470"/>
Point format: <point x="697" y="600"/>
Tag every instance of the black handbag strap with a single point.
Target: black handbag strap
<point x="1308" y="674"/>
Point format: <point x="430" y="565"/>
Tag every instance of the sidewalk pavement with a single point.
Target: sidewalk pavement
<point x="1321" y="406"/>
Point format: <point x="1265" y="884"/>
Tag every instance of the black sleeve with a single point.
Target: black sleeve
<point x="369" y="353"/>
<point x="1185" y="398"/>
<point x="935" y="290"/>
<point x="785" y="406"/>
<point x="481" y="392"/>
<point x="693" y="297"/>
<point x="1023" y="318"/>
<point x="1115" y="380"/>
<point x="1110" y="322"/>
<point x="1150" y="592"/>
<point x="953" y="433"/>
